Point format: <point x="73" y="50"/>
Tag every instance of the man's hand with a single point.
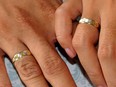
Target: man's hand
<point x="29" y="25"/>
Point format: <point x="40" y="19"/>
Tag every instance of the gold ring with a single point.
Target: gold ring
<point x="89" y="21"/>
<point x="20" y="55"/>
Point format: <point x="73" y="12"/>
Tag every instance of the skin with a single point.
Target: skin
<point x="23" y="26"/>
<point x="99" y="63"/>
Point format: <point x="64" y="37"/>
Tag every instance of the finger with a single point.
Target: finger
<point x="85" y="38"/>
<point x="107" y="49"/>
<point x="27" y="66"/>
<point x="64" y="16"/>
<point x="84" y="41"/>
<point x="4" y="80"/>
<point x="53" y="67"/>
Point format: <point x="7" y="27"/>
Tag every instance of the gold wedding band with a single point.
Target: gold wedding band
<point x="20" y="55"/>
<point x="89" y="21"/>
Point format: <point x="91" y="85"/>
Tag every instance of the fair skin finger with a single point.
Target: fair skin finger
<point x="26" y="33"/>
<point x="85" y="38"/>
<point x="84" y="43"/>
<point x="4" y="80"/>
<point x="107" y="43"/>
<point x="63" y="24"/>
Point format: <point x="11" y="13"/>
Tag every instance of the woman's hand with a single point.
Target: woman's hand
<point x="29" y="25"/>
<point x="100" y="64"/>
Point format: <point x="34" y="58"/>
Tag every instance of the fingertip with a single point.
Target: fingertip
<point x="70" y="52"/>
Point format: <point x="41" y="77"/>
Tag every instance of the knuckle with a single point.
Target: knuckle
<point x="102" y="52"/>
<point x="94" y="75"/>
<point x="60" y="11"/>
<point x="22" y="17"/>
<point x="24" y="21"/>
<point x="80" y="43"/>
<point x="6" y="40"/>
<point x="28" y="69"/>
<point x="105" y="52"/>
<point x="75" y="44"/>
<point x="53" y="65"/>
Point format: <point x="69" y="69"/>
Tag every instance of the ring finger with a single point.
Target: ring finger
<point x="85" y="38"/>
<point x="27" y="66"/>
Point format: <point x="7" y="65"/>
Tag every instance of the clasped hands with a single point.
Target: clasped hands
<point x="29" y="25"/>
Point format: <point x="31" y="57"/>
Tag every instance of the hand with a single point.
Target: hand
<point x="29" y="25"/>
<point x="99" y="63"/>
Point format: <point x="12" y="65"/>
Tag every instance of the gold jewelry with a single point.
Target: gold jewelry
<point x="21" y="55"/>
<point x="89" y="21"/>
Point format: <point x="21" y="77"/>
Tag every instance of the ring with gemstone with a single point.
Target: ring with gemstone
<point x="89" y="21"/>
<point x="20" y="55"/>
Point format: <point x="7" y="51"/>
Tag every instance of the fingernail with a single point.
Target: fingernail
<point x="70" y="52"/>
